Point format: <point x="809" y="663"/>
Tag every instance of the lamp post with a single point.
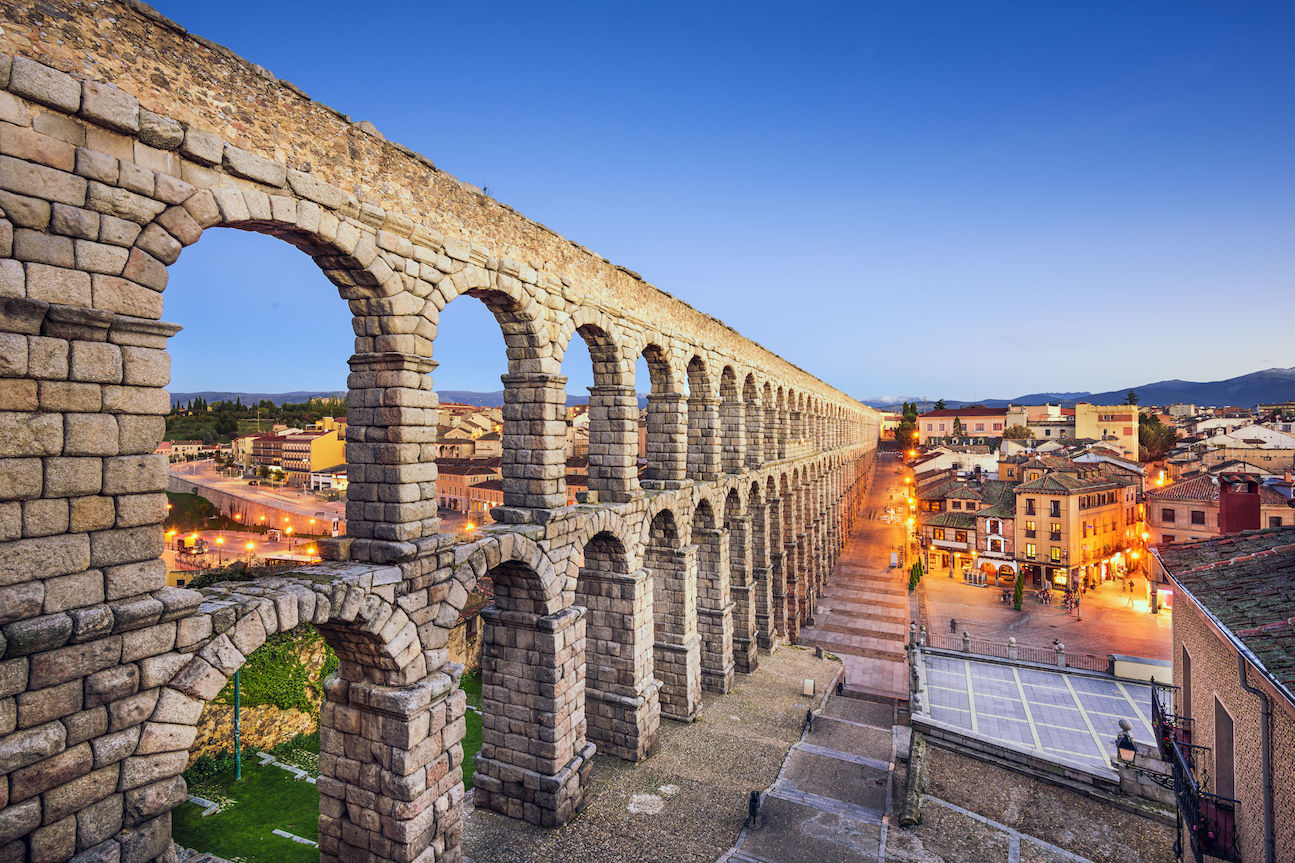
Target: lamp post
<point x="220" y="547"/>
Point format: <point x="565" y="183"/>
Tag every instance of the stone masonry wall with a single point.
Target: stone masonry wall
<point x="122" y="139"/>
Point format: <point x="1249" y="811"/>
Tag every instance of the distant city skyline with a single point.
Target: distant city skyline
<point x="960" y="201"/>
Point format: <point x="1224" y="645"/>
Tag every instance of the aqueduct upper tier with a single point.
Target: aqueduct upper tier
<point x="123" y="138"/>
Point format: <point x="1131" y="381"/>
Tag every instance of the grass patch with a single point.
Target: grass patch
<point x="471" y="684"/>
<point x="265" y="798"/>
<point x="471" y="746"/>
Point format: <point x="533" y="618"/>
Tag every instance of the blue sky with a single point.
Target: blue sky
<point x="971" y="200"/>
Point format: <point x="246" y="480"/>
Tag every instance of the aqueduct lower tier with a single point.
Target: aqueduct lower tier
<point x="122" y="140"/>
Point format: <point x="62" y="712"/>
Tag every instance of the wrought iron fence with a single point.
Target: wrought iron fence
<point x="1211" y="819"/>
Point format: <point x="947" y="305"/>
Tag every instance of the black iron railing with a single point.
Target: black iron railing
<point x="1211" y="820"/>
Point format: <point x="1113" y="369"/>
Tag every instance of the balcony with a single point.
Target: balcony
<point x="1211" y="820"/>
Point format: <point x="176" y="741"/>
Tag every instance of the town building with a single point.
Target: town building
<point x="972" y="422"/>
<point x="1227" y="729"/>
<point x="307" y="452"/>
<point x="1114" y="424"/>
<point x="1075" y="524"/>
<point x="1208" y="505"/>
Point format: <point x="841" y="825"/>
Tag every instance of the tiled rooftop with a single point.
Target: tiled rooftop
<point x="1247" y="581"/>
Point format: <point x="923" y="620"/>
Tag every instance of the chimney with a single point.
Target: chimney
<point x="1238" y="503"/>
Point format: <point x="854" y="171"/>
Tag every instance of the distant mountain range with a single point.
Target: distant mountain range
<point x="464" y="397"/>
<point x="1269" y="385"/>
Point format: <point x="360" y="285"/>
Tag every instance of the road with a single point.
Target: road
<point x="863" y="614"/>
<point x="291" y="500"/>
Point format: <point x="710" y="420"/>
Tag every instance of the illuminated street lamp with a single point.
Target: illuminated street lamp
<point x="250" y="546"/>
<point x="220" y="547"/>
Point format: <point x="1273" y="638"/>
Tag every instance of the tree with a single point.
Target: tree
<point x="1155" y="439"/>
<point x="1017" y="432"/>
<point x="1131" y="398"/>
<point x="958" y="430"/>
<point x="939" y="406"/>
<point x="1018" y="591"/>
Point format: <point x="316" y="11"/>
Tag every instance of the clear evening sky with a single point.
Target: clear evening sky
<point x="971" y="200"/>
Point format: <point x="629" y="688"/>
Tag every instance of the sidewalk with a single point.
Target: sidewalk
<point x="863" y="614"/>
<point x="1106" y="623"/>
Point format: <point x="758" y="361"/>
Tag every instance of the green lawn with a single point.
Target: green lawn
<point x="265" y="798"/>
<point x="269" y="797"/>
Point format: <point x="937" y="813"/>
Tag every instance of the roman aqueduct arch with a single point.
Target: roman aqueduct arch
<point x="117" y="151"/>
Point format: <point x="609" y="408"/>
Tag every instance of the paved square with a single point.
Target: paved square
<point x="1067" y="715"/>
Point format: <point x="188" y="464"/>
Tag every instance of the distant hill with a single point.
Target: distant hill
<point x="295" y="397"/>
<point x="1269" y="385"/>
<point x="463" y="397"/>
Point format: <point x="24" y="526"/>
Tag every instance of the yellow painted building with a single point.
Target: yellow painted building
<point x="1117" y="424"/>
<point x="1074" y="523"/>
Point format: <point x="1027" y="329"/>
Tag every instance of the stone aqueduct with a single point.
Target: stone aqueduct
<point x="122" y="139"/>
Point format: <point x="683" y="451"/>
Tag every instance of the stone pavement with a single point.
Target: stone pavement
<point x="1106" y="623"/>
<point x="686" y="803"/>
<point x="1068" y="716"/>
<point x="836" y="798"/>
<point x="863" y="614"/>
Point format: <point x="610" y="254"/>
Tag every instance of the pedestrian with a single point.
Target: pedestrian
<point x="953" y="625"/>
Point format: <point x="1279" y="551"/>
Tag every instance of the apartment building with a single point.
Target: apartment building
<point x="974" y="422"/>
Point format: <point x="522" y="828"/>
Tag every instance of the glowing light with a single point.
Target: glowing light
<point x="220" y="540"/>
<point x="238" y="516"/>
<point x="469" y="527"/>
<point x="251" y="546"/>
<point x="1146" y="536"/>
<point x="1135" y="555"/>
<point x="907" y="480"/>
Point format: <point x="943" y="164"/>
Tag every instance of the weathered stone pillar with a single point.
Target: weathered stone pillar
<point x="390" y="454"/>
<point x="613" y="443"/>
<point x="667" y="441"/>
<point x="390" y="786"/>
<point x="677" y="648"/>
<point x="621" y="702"/>
<point x="732" y="419"/>
<point x="534" y="760"/>
<point x="781" y="431"/>
<point x="795" y="587"/>
<point x="754" y="420"/>
<point x="795" y="425"/>
<point x="771" y="434"/>
<point x="742" y="589"/>
<point x="714" y="609"/>
<point x="534" y="463"/>
<point x="779" y="563"/>
<point x="703" y="438"/>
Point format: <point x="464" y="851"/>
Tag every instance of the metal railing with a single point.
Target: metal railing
<point x="1211" y="819"/>
<point x="1057" y="656"/>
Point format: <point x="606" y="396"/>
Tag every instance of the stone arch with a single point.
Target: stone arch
<point x="667" y="420"/>
<point x="621" y="702"/>
<point x="703" y="422"/>
<point x="613" y="407"/>
<point x="753" y="417"/>
<point x="533" y="701"/>
<point x="741" y="584"/>
<point x="379" y="706"/>
<point x="769" y="406"/>
<point x="672" y="568"/>
<point x="732" y="420"/>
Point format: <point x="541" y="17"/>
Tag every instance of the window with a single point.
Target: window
<point x="980" y="426"/>
<point x="1054" y="532"/>
<point x="1224" y="767"/>
<point x="179" y="582"/>
<point x="960" y="536"/>
<point x="1198" y="516"/>
<point x="1030" y="529"/>
<point x="930" y="426"/>
<point x="995" y="526"/>
<point x="1274" y="521"/>
<point x="1030" y="550"/>
<point x="998" y="426"/>
<point x="995" y="545"/>
<point x="1167" y="515"/>
<point x="955" y="504"/>
<point x="1029" y="506"/>
<point x="1166" y="537"/>
<point x="939" y="533"/>
<point x="1056" y="554"/>
<point x="1055" y="508"/>
<point x="941" y="426"/>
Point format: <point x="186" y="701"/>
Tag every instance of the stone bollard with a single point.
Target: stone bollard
<point x="912" y="634"/>
<point x="966" y="641"/>
<point x="921" y="637"/>
<point x="1011" y="648"/>
<point x="1061" y="655"/>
